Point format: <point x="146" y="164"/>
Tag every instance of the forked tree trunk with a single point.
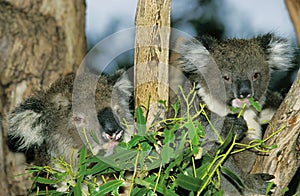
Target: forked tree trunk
<point x="39" y="42"/>
<point x="152" y="56"/>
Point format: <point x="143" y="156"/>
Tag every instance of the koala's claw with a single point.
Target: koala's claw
<point x="258" y="183"/>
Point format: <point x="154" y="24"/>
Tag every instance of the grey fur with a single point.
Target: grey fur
<point x="228" y="72"/>
<point x="46" y="122"/>
<point x="239" y="60"/>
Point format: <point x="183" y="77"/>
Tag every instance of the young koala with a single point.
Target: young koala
<point x="245" y="66"/>
<point x="232" y="73"/>
<point x="49" y="122"/>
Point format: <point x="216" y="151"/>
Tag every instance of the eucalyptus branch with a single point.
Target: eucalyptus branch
<point x="134" y="172"/>
<point x="157" y="180"/>
<point x="257" y="143"/>
<point x="217" y="166"/>
<point x="87" y="140"/>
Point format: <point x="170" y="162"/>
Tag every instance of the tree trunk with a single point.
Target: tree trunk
<point x="39" y="42"/>
<point x="151" y="58"/>
<point x="283" y="161"/>
<point x="293" y="7"/>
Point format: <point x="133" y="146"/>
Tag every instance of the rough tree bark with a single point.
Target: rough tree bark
<point x="284" y="161"/>
<point x="151" y="57"/>
<point x="39" y="42"/>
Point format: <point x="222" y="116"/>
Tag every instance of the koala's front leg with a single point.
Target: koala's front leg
<point x="224" y="125"/>
<point x="255" y="119"/>
<point x="254" y="129"/>
<point x="253" y="183"/>
<point x="242" y="162"/>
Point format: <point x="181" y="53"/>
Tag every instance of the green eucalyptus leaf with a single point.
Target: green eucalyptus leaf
<point x="121" y="158"/>
<point x="150" y="184"/>
<point x="168" y="135"/>
<point x="196" y="141"/>
<point x="199" y="129"/>
<point x="164" y="103"/>
<point x="285" y="189"/>
<point x="191" y="129"/>
<point x="202" y="170"/>
<point x="140" y="121"/>
<point x="98" y="168"/>
<point x="139" y="191"/>
<point x="145" y="146"/>
<point x="109" y="187"/>
<point x="270" y="185"/>
<point x="176" y="106"/>
<point x="166" y="154"/>
<point x="255" y="104"/>
<point x="43" y="180"/>
<point x="81" y="165"/>
<point x="135" y="140"/>
<point x="233" y="176"/>
<point x="77" y="189"/>
<point x="227" y="141"/>
<point x="188" y="182"/>
<point x="235" y="110"/>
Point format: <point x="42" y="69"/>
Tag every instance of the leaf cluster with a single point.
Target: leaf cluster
<point x="168" y="160"/>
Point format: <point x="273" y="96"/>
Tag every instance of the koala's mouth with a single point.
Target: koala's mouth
<point x="113" y="136"/>
<point x="238" y="103"/>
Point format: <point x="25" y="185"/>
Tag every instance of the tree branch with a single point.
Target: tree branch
<point x="293" y="7"/>
<point x="283" y="161"/>
<point x="152" y="56"/>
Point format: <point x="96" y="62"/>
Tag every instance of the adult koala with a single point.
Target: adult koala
<point x="232" y="73"/>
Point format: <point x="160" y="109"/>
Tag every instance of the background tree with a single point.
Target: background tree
<point x="151" y="56"/>
<point x="293" y="7"/>
<point x="205" y="19"/>
<point x="39" y="42"/>
<point x="283" y="161"/>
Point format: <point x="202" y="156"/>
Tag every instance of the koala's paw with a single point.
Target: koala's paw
<point x="258" y="183"/>
<point x="237" y="125"/>
<point x="240" y="128"/>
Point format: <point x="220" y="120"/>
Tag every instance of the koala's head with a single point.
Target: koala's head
<point x="244" y="65"/>
<point x="103" y="107"/>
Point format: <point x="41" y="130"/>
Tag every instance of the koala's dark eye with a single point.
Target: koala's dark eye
<point x="255" y="76"/>
<point x="227" y="79"/>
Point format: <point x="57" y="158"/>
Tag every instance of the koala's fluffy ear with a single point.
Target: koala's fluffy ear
<point x="278" y="50"/>
<point x="122" y="101"/>
<point x="124" y="85"/>
<point x="193" y="56"/>
<point x="208" y="41"/>
<point x="27" y="124"/>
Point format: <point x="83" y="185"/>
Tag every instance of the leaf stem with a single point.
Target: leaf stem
<point x="135" y="172"/>
<point x="157" y="180"/>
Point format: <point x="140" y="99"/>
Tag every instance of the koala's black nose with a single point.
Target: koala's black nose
<point x="244" y="89"/>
